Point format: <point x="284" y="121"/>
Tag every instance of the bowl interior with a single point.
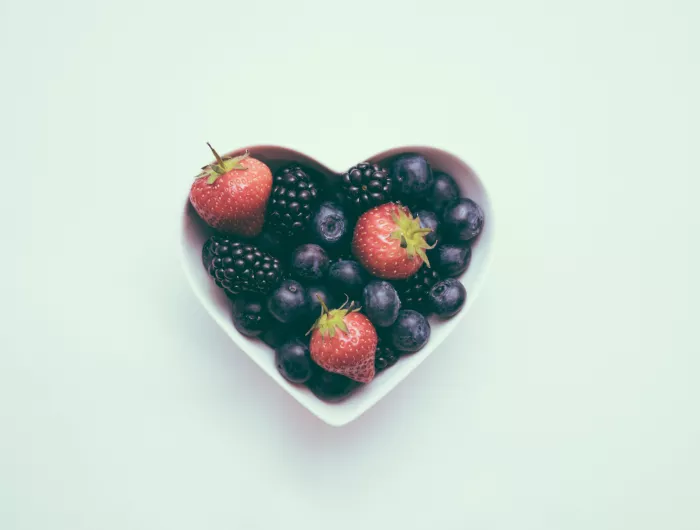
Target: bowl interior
<point x="195" y="232"/>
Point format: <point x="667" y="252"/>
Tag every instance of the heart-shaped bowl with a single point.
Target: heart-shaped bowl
<point x="195" y="232"/>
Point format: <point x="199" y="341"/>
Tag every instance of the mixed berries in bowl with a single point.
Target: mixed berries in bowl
<point x="340" y="277"/>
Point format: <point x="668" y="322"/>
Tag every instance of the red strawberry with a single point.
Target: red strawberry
<point x="231" y="194"/>
<point x="389" y="242"/>
<point x="344" y="342"/>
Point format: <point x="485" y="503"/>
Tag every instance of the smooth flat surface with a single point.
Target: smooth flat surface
<point x="568" y="400"/>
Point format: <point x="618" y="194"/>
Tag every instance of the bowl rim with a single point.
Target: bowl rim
<point x="340" y="416"/>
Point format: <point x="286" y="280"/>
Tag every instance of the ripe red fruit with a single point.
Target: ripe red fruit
<point x="231" y="194"/>
<point x="344" y="341"/>
<point x="389" y="242"/>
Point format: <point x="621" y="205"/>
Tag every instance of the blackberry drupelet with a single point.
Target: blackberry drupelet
<point x="366" y="186"/>
<point x="413" y="291"/>
<point x="292" y="202"/>
<point x="240" y="267"/>
<point x="385" y="357"/>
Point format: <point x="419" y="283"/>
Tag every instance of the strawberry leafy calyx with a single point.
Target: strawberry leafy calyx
<point x="411" y="234"/>
<point x="222" y="165"/>
<point x="332" y="320"/>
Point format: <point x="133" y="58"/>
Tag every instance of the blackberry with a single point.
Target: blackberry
<point x="292" y="202"/>
<point x="240" y="267"/>
<point x="413" y="291"/>
<point x="366" y="186"/>
<point x="385" y="357"/>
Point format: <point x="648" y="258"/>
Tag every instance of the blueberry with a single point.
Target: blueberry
<point x="277" y="335"/>
<point x="272" y="243"/>
<point x="314" y="293"/>
<point x="288" y="302"/>
<point x="451" y="260"/>
<point x="462" y="220"/>
<point x="429" y="219"/>
<point x="346" y="277"/>
<point x="309" y="262"/>
<point x="380" y="302"/>
<point x="330" y="227"/>
<point x="329" y="386"/>
<point x="294" y="361"/>
<point x="410" y="332"/>
<point x="250" y="317"/>
<point x="412" y="175"/>
<point x="447" y="297"/>
<point x="443" y="191"/>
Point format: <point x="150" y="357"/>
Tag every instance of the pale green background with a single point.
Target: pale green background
<point x="568" y="401"/>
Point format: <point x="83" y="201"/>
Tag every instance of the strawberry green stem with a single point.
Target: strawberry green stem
<point x="411" y="234"/>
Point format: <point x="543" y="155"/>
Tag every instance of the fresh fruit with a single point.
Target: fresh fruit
<point x="414" y="291"/>
<point x="231" y="194"/>
<point x="389" y="242"/>
<point x="346" y="278"/>
<point x="292" y="201"/>
<point x="309" y="262"/>
<point x="273" y="243"/>
<point x="250" y="317"/>
<point x="277" y="334"/>
<point x="207" y="254"/>
<point x="343" y="341"/>
<point x="330" y="227"/>
<point x="293" y="361"/>
<point x="430" y="220"/>
<point x="451" y="260"/>
<point x="318" y="294"/>
<point x="385" y="356"/>
<point x="238" y="267"/>
<point x="462" y="220"/>
<point x="288" y="302"/>
<point x="447" y="297"/>
<point x="380" y="302"/>
<point x="443" y="191"/>
<point x="412" y="176"/>
<point x="410" y="332"/>
<point x="366" y="185"/>
<point x="329" y="386"/>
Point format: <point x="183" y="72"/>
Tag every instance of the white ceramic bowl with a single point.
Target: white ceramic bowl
<point x="195" y="232"/>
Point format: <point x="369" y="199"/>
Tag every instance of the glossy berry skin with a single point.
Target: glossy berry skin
<point x="273" y="243"/>
<point x="430" y="220"/>
<point x="294" y="362"/>
<point x="462" y="220"/>
<point x="380" y="302"/>
<point x="447" y="297"/>
<point x="348" y="352"/>
<point x="385" y="357"/>
<point x="414" y="291"/>
<point x="410" y="332"/>
<point x="233" y="200"/>
<point x="250" y="317"/>
<point x="366" y="186"/>
<point x="330" y="227"/>
<point x="309" y="262"/>
<point x="314" y="292"/>
<point x="377" y="248"/>
<point x="289" y="302"/>
<point x="346" y="277"/>
<point x="239" y="267"/>
<point x="292" y="201"/>
<point x="451" y="260"/>
<point x="330" y="387"/>
<point x="277" y="334"/>
<point x="444" y="190"/>
<point x="412" y="176"/>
